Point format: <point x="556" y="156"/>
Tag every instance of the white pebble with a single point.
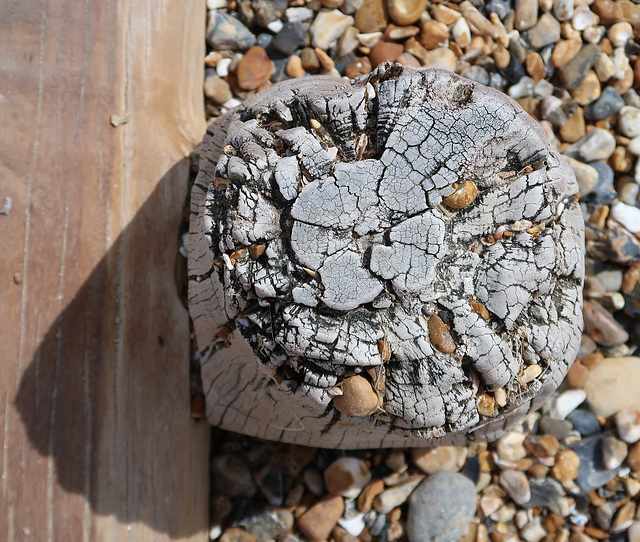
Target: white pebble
<point x="542" y="89"/>
<point x="634" y="146"/>
<point x="567" y="402"/>
<point x="620" y="61"/>
<point x="275" y="26"/>
<point x="298" y="15"/>
<point x="629" y="121"/>
<point x="222" y="69"/>
<point x="626" y="215"/>
<point x="583" y="18"/>
<point x="563" y="9"/>
<point x="620" y="33"/>
<point x="354" y="526"/>
<point x="370" y="39"/>
<point x="461" y="33"/>
<point x="522" y="88"/>
<point x="628" y="425"/>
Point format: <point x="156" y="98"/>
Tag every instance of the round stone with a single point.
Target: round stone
<point x="346" y="477"/>
<point x="441" y="508"/>
<point x="349" y="326"/>
<point x="404" y="12"/>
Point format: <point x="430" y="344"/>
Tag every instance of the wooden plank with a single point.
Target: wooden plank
<point x="97" y="441"/>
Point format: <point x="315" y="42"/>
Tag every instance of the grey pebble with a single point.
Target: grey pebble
<point x="266" y="523"/>
<point x="574" y="71"/>
<point x="614" y="452"/>
<point x="270" y="482"/>
<point x="587" y="346"/>
<point x="499" y="7"/>
<point x="231" y="477"/>
<point x="290" y="37"/>
<point x="604" y="515"/>
<point x="592" y="474"/>
<point x="226" y="32"/>
<point x="441" y="508"/>
<point x="608" y="103"/>
<point x="545" y="32"/>
<point x="264" y="40"/>
<point x="555" y="428"/>
<point x="602" y="326"/>
<point x="598" y="144"/>
<point x="604" y="192"/>
<point x="477" y="74"/>
<point x="543" y="492"/>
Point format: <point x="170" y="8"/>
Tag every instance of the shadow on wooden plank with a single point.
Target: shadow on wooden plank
<point x="107" y="393"/>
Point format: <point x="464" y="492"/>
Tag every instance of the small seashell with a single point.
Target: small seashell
<point x="358" y="397"/>
<point x="439" y="335"/>
<point x="464" y="195"/>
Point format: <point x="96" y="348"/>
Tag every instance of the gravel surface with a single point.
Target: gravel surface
<point x="570" y="472"/>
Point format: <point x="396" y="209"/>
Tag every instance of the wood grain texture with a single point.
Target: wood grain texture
<point x="97" y="441"/>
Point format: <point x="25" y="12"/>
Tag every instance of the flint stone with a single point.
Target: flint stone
<point x="225" y="32"/>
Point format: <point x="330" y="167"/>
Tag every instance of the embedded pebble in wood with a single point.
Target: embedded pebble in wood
<point x="397" y="260"/>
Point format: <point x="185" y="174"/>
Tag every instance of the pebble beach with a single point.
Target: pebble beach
<point x="568" y="473"/>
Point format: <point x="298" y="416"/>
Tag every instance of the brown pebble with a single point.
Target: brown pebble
<point x="384" y="51"/>
<point x="630" y="278"/>
<point x="464" y="195"/>
<point x="217" y="90"/>
<point x="553" y="522"/>
<point x="341" y="535"/>
<point x="395" y="33"/>
<point x="439" y="335"/>
<point x="362" y="66"/>
<point x="624" y="517"/>
<point x="607" y="11"/>
<point x="542" y="446"/>
<point x="294" y="67"/>
<point x="502" y="57"/>
<point x="408" y="60"/>
<point x="405" y="12"/>
<point x="633" y="457"/>
<point x="318" y="521"/>
<point x="325" y="60"/>
<point x="369" y="493"/>
<point x="480" y="309"/>
<point x="529" y="374"/>
<point x="574" y="128"/>
<point x="592" y="360"/>
<point x="236" y="535"/>
<point x="371" y="16"/>
<point x="309" y="59"/>
<point x="444" y="14"/>
<point x="538" y="471"/>
<point x="577" y="375"/>
<point x="588" y="90"/>
<point x="594" y="532"/>
<point x="414" y="47"/>
<point x="535" y="66"/>
<point x="433" y="34"/>
<point x="255" y="68"/>
<point x="486" y="405"/>
<point x="17" y="278"/>
<point x="566" y="466"/>
<point x="621" y="161"/>
<point x="197" y="406"/>
<point x="622" y="85"/>
<point x="255" y="251"/>
<point x="358" y="397"/>
<point x="564" y="51"/>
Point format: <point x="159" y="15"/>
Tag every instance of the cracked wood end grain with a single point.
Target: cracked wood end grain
<point x="393" y="261"/>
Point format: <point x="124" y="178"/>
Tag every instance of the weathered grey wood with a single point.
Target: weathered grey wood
<point x="96" y="438"/>
<point x="393" y="262"/>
